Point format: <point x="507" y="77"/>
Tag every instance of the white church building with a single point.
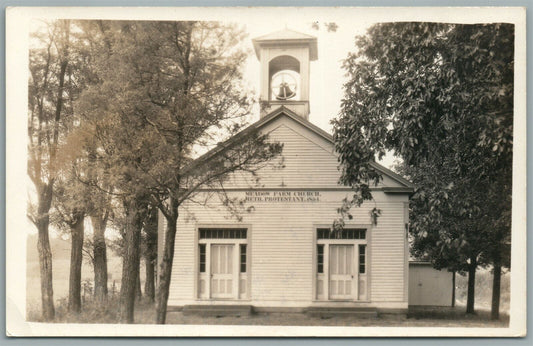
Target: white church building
<point x="282" y="255"/>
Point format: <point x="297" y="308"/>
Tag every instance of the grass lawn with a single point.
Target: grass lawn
<point x="444" y="318"/>
<point x="145" y="313"/>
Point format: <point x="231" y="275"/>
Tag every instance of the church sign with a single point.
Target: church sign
<point x="282" y="196"/>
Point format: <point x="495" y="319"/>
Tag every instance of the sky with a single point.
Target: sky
<point x="326" y="76"/>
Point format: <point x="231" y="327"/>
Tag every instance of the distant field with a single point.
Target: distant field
<point x="60" y="270"/>
<point x="483" y="290"/>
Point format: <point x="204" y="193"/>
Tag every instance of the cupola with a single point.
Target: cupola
<point x="285" y="58"/>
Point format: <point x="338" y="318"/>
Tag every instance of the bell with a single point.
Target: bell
<point x="284" y="91"/>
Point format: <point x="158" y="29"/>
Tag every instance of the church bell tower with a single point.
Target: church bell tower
<point x="285" y="58"/>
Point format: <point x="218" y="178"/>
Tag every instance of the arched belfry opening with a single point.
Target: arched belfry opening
<point x="285" y="64"/>
<point x="284" y="77"/>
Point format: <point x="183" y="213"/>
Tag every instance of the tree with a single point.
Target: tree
<point x="440" y="96"/>
<point x="176" y="90"/>
<point x="96" y="47"/>
<point x="49" y="60"/>
<point x="69" y="213"/>
<point x="99" y="210"/>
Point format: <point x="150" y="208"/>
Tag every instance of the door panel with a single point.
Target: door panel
<point x="341" y="271"/>
<point x="222" y="270"/>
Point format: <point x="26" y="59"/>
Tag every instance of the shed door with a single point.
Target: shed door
<point x="222" y="271"/>
<point x="341" y="274"/>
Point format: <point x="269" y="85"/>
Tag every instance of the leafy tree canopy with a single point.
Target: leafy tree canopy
<point x="440" y="96"/>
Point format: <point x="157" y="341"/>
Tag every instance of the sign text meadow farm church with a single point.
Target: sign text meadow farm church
<point x="282" y="196"/>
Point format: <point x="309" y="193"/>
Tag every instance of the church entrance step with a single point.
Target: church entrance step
<point x="217" y="310"/>
<point x="329" y="312"/>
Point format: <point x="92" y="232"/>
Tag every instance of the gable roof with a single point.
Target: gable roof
<point x="284" y="111"/>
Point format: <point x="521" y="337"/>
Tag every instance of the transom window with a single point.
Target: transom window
<point x="346" y="233"/>
<point x="222" y="233"/>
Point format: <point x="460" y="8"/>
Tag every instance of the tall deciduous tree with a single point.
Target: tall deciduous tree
<point x="171" y="90"/>
<point x="97" y="38"/>
<point x="440" y="96"/>
<point x="69" y="214"/>
<point x="49" y="60"/>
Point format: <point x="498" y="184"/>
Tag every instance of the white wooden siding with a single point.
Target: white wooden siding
<point x="429" y="286"/>
<point x="309" y="161"/>
<point x="281" y="250"/>
<point x="281" y="235"/>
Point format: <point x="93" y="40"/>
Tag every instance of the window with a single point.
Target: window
<point x="202" y="258"/>
<point x="346" y="233"/>
<point x="362" y="259"/>
<point x="222" y="233"/>
<point x="243" y="258"/>
<point x="320" y="258"/>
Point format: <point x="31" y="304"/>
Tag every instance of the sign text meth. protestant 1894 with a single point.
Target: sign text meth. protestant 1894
<point x="282" y="196"/>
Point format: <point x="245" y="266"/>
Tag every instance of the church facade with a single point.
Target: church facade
<point x="282" y="256"/>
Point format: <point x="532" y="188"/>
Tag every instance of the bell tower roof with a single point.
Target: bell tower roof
<point x="286" y="37"/>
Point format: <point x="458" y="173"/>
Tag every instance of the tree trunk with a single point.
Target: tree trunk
<point x="150" y="256"/>
<point x="453" y="290"/>
<point x="132" y="240"/>
<point x="165" y="269"/>
<point x="138" y="291"/>
<point x="99" y="216"/>
<point x="45" y="253"/>
<point x="149" y="284"/>
<point x="76" y="257"/>
<point x="471" y="286"/>
<point x="100" y="259"/>
<point x="496" y="285"/>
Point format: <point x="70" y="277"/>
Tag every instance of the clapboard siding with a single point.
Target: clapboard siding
<point x="281" y="235"/>
<point x="282" y="248"/>
<point x="387" y="261"/>
<point x="308" y="159"/>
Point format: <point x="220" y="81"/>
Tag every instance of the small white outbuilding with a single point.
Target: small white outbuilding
<point x="429" y="286"/>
